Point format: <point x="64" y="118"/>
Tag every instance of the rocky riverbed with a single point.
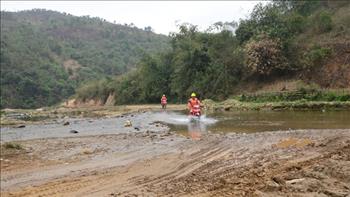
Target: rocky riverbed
<point x="147" y="159"/>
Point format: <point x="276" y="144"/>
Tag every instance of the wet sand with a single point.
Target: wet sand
<point x="152" y="161"/>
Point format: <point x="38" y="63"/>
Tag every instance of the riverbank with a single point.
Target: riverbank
<point x="302" y="98"/>
<point x="162" y="163"/>
<point x="234" y="104"/>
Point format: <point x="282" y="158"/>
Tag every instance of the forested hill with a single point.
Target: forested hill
<point x="45" y="54"/>
<point x="305" y="42"/>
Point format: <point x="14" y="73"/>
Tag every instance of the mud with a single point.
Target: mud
<point x="154" y="161"/>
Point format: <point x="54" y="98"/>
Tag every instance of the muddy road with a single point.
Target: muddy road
<point x="109" y="158"/>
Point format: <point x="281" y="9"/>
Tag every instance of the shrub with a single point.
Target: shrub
<point x="317" y="55"/>
<point x="323" y="22"/>
<point x="265" y="56"/>
<point x="296" y="22"/>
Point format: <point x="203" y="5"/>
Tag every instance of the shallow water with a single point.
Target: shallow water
<point x="259" y="121"/>
<point x="244" y="121"/>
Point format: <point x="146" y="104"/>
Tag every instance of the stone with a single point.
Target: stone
<point x="127" y="123"/>
<point x="279" y="180"/>
<point x="295" y="181"/>
<point x="21" y="126"/>
<point x="74" y="131"/>
<point x="272" y="186"/>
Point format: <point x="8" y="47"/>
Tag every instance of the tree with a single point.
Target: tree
<point x="265" y="56"/>
<point x="148" y="29"/>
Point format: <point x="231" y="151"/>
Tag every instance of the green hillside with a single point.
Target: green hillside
<point x="45" y="55"/>
<point x="301" y="41"/>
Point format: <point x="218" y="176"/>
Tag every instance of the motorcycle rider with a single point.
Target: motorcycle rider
<point x="194" y="105"/>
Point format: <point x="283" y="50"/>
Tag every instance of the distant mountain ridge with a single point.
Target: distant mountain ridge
<point x="46" y="54"/>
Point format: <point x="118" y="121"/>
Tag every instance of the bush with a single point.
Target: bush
<point x="265" y="56"/>
<point x="296" y="22"/>
<point x="317" y="55"/>
<point x="324" y="22"/>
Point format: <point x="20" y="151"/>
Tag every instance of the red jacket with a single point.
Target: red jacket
<point x="163" y="100"/>
<point x="194" y="105"/>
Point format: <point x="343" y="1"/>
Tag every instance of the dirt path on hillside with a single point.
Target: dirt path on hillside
<point x="162" y="163"/>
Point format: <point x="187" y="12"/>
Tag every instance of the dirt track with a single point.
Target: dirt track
<point x="294" y="163"/>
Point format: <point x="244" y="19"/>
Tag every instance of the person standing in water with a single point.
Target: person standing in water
<point x="163" y="101"/>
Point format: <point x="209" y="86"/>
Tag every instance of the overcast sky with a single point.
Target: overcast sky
<point x="162" y="16"/>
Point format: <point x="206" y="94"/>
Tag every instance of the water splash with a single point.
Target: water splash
<point x="181" y="119"/>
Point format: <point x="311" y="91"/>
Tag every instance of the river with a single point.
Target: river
<point x="238" y="121"/>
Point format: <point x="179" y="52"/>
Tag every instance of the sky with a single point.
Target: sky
<point x="162" y="16"/>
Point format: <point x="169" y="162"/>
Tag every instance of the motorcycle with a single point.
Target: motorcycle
<point x="195" y="113"/>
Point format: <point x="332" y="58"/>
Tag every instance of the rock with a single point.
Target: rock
<point x="21" y="126"/>
<point x="295" y="181"/>
<point x="87" y="151"/>
<point x="66" y="123"/>
<point x="153" y="136"/>
<point x="74" y="131"/>
<point x="335" y="193"/>
<point x="279" y="180"/>
<point x="227" y="108"/>
<point x="166" y="134"/>
<point x="127" y="123"/>
<point x="272" y="186"/>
